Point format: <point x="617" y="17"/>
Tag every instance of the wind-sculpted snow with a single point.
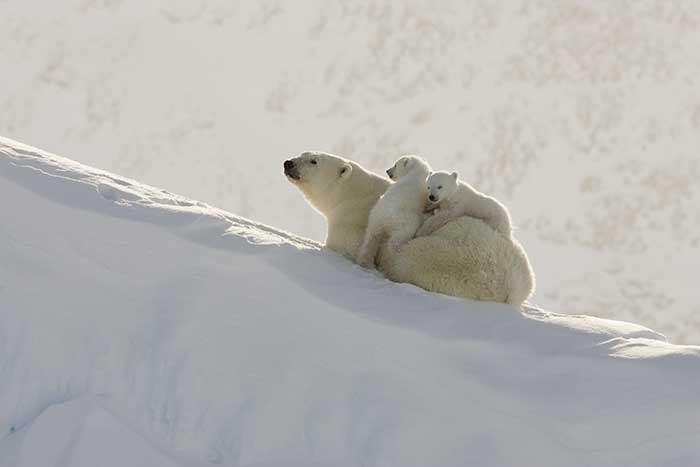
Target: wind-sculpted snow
<point x="141" y="326"/>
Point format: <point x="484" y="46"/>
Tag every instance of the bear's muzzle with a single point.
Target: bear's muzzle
<point x="290" y="170"/>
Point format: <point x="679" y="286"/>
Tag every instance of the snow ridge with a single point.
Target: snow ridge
<point x="163" y="331"/>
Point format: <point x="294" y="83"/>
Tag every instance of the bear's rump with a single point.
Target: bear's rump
<point x="464" y="258"/>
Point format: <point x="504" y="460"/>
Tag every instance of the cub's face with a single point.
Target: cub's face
<point x="441" y="185"/>
<point x="316" y="173"/>
<point x="403" y="166"/>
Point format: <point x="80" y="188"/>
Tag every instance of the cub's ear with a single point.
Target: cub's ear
<point x="455" y="175"/>
<point x="345" y="170"/>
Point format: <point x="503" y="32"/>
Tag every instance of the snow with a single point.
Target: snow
<point x="79" y="433"/>
<point x="138" y="327"/>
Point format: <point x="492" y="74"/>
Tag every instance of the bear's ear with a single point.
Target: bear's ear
<point x="455" y="175"/>
<point x="345" y="170"/>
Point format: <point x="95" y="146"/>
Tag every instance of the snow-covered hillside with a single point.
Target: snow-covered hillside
<point x="584" y="117"/>
<point x="138" y="327"/>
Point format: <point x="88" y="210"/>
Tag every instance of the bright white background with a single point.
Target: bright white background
<point x="583" y="117"/>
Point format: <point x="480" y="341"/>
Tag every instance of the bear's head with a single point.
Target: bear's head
<point x="317" y="175"/>
<point x="406" y="165"/>
<point x="441" y="185"/>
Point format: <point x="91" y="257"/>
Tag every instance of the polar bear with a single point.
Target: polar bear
<point x="399" y="212"/>
<point x="453" y="198"/>
<point x="464" y="258"/>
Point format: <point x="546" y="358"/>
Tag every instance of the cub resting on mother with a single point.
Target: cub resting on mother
<point x="463" y="258"/>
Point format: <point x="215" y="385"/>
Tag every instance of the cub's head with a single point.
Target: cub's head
<point x="316" y="174"/>
<point x="406" y="165"/>
<point x="441" y="185"/>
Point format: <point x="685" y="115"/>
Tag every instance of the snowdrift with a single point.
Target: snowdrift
<point x="138" y="327"/>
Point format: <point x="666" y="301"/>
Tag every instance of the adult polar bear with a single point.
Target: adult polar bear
<point x="464" y="258"/>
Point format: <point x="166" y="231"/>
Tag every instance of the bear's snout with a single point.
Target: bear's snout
<point x="290" y="170"/>
<point x="432" y="198"/>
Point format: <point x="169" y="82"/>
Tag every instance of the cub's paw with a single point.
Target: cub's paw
<point x="423" y="232"/>
<point x="366" y="262"/>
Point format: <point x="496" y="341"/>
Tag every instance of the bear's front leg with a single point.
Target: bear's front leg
<point x="370" y="247"/>
<point x="433" y="223"/>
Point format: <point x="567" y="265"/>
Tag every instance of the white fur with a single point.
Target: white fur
<point x="399" y="211"/>
<point x="454" y="198"/>
<point x="464" y="258"/>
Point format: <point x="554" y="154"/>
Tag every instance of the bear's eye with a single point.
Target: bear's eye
<point x="314" y="162"/>
<point x="440" y="187"/>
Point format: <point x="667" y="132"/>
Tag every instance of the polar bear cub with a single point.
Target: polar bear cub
<point x="399" y="212"/>
<point x="453" y="198"/>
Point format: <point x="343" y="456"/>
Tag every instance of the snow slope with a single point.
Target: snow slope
<point x="138" y="327"/>
<point x="583" y="117"/>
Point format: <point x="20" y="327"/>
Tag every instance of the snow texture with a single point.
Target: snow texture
<point x="138" y="327"/>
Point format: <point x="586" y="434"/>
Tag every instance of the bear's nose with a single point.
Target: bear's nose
<point x="288" y="165"/>
<point x="432" y="198"/>
<point x="388" y="172"/>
